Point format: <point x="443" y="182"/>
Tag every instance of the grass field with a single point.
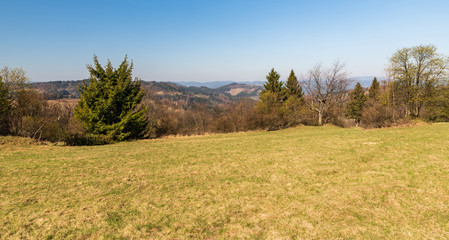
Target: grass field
<point x="305" y="182"/>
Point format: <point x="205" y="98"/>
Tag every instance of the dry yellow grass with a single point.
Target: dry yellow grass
<point x="306" y="182"/>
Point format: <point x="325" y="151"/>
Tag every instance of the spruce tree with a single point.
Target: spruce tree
<point x="270" y="102"/>
<point x="273" y="84"/>
<point x="292" y="87"/>
<point x="109" y="102"/>
<point x="356" y="102"/>
<point x="374" y="90"/>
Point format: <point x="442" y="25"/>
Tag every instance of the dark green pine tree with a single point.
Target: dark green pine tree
<point x="4" y="108"/>
<point x="292" y="87"/>
<point x="273" y="84"/>
<point x="354" y="107"/>
<point x="109" y="102"/>
<point x="374" y="90"/>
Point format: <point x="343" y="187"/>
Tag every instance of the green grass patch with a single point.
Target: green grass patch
<point x="304" y="182"/>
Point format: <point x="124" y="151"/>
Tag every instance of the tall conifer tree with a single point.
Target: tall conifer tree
<point x="292" y="87"/>
<point x="109" y="102"/>
<point x="273" y="84"/>
<point x="355" y="105"/>
<point x="374" y="90"/>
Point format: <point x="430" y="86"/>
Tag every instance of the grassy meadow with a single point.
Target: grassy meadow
<point x="305" y="182"/>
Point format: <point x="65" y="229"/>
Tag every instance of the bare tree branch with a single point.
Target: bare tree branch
<point x="326" y="86"/>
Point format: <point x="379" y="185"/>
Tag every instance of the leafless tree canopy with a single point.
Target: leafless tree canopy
<point x="326" y="86"/>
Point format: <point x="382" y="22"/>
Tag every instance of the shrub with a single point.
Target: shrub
<point x="88" y="139"/>
<point x="376" y="115"/>
<point x="269" y="112"/>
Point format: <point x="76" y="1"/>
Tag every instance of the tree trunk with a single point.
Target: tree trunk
<point x="320" y="118"/>
<point x="417" y="108"/>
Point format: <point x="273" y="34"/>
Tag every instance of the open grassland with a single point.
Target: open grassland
<point x="305" y="182"/>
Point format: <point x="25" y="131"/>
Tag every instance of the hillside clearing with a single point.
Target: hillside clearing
<point x="305" y="182"/>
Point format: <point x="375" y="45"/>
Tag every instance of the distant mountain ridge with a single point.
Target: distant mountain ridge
<point x="217" y="84"/>
<point x="218" y="92"/>
<point x="365" y="81"/>
<point x="58" y="89"/>
<point x="184" y="95"/>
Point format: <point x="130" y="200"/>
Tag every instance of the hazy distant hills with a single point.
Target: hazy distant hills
<point x="217" y="84"/>
<point x="58" y="89"/>
<point x="188" y="92"/>
<point x="365" y="81"/>
<point x="185" y="95"/>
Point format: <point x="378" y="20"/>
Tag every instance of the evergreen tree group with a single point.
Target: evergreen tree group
<point x="292" y="88"/>
<point x="280" y="104"/>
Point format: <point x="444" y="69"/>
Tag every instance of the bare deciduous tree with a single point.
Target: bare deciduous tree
<point x="326" y="86"/>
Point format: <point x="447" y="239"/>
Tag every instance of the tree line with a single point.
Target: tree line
<point x="416" y="88"/>
<point x="114" y="107"/>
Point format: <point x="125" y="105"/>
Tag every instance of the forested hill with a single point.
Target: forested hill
<point x="58" y="89"/>
<point x="161" y="90"/>
<point x="167" y="90"/>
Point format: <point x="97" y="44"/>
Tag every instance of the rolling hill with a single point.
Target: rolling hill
<point x="162" y="90"/>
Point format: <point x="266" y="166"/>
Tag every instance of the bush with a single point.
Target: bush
<point x="269" y="112"/>
<point x="335" y="115"/>
<point x="292" y="111"/>
<point x="78" y="139"/>
<point x="234" y="117"/>
<point x="53" y="132"/>
<point x="376" y="115"/>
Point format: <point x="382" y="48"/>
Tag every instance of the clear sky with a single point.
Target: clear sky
<point x="215" y="40"/>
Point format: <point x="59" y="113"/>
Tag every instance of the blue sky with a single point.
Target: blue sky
<point x="217" y="40"/>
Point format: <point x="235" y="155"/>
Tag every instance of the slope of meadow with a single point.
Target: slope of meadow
<point x="305" y="182"/>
